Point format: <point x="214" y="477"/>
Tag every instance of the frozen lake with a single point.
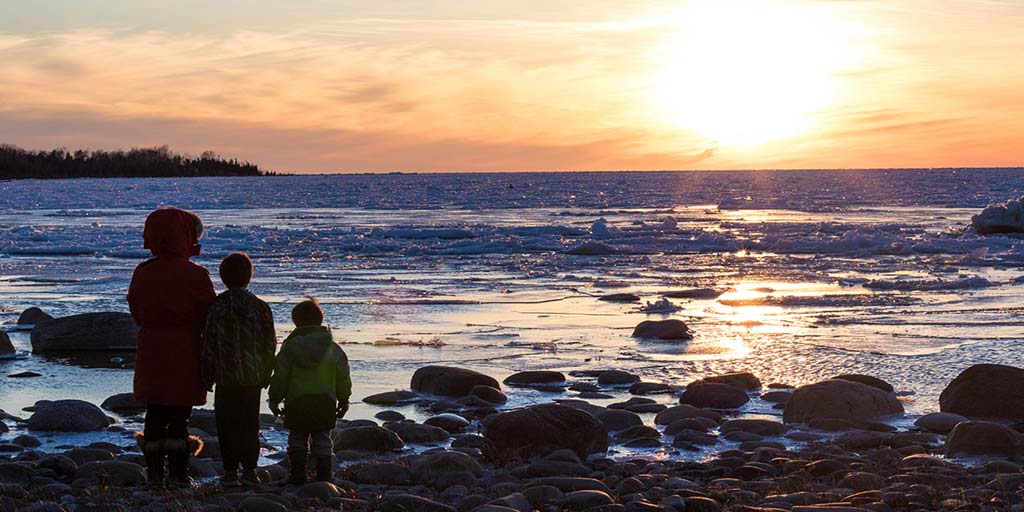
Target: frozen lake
<point x="823" y="272"/>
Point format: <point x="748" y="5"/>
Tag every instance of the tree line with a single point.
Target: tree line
<point x="18" y="163"/>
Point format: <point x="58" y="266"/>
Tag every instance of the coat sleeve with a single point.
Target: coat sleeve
<point x="267" y="345"/>
<point x="210" y="355"/>
<point x="343" y="378"/>
<point x="133" y="303"/>
<point x="282" y="375"/>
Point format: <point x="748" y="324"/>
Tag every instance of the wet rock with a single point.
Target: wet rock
<point x="389" y="416"/>
<point x="582" y="500"/>
<point x="391" y="398"/>
<point x="567" y="484"/>
<point x="698" y="424"/>
<point x="714" y="395"/>
<point x="649" y="388"/>
<point x="862" y="481"/>
<point x="984" y="438"/>
<point x="755" y="426"/>
<point x="411" y="503"/>
<point x="6" y="347"/>
<point x="839" y="399"/>
<point x="68" y="416"/>
<point x="670" y="330"/>
<point x="85" y="332"/>
<point x="939" y="422"/>
<point x="260" y="504"/>
<point x="61" y="466"/>
<point x="680" y="412"/>
<point x="638" y="432"/>
<point x="27" y="441"/>
<point x="366" y="439"/>
<point x="742" y="380"/>
<point x="417" y="433"/>
<point x="874" y="382"/>
<point x="616" y="378"/>
<point x="33" y="316"/>
<point x="381" y="473"/>
<point x="25" y="375"/>
<point x="430" y="468"/>
<point x="620" y="298"/>
<point x="861" y="439"/>
<point x="112" y="472"/>
<point x="986" y="391"/>
<point x="123" y="403"/>
<point x="535" y="378"/>
<point x="693" y="437"/>
<point x="15" y="473"/>
<point x="545" y="428"/>
<point x="701" y="504"/>
<point x="449" y="381"/>
<point x="320" y="491"/>
<point x="617" y="419"/>
<point x="452" y="423"/>
<point x="488" y="394"/>
<point x="777" y="397"/>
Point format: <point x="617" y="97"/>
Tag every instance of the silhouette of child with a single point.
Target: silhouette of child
<point x="312" y="379"/>
<point x="238" y="357"/>
<point x="168" y="297"/>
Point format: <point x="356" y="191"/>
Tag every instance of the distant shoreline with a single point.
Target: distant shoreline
<point x="261" y="174"/>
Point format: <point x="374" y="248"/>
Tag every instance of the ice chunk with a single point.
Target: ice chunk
<point x="1000" y="218"/>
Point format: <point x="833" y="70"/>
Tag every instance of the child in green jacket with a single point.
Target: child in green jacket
<point x="312" y="379"/>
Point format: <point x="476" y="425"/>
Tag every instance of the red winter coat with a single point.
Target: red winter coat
<point x="168" y="298"/>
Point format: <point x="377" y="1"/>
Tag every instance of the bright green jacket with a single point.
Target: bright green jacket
<point x="310" y="364"/>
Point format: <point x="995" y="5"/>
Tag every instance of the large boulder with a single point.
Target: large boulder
<point x="874" y="382"/>
<point x="546" y="428"/>
<point x="986" y="391"/>
<point x="431" y="467"/>
<point x="1000" y="218"/>
<point x="68" y="416"/>
<point x="6" y="347"/>
<point x="663" y="330"/>
<point x="417" y="433"/>
<point x="839" y="399"/>
<point x="33" y="316"/>
<point x="85" y="333"/>
<point x="449" y="381"/>
<point x="984" y="438"/>
<point x="714" y="395"/>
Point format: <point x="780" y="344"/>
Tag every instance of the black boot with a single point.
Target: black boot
<point x="297" y="459"/>
<point x="153" y="451"/>
<point x="325" y="469"/>
<point x="178" y="461"/>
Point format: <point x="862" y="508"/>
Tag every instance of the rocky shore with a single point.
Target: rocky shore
<point x="834" y="450"/>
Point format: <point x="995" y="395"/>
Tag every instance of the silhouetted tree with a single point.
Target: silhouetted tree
<point x="17" y="163"/>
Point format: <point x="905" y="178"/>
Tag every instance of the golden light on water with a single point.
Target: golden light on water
<point x="742" y="73"/>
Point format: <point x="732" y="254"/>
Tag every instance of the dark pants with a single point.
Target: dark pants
<point x="167" y="422"/>
<point x="238" y="425"/>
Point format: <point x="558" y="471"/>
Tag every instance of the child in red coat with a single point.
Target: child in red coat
<point x="168" y="298"/>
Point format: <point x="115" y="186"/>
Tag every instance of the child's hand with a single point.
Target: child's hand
<point x="275" y="408"/>
<point x="342" y="408"/>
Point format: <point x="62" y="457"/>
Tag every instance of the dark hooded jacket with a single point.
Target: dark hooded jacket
<point x="311" y="376"/>
<point x="168" y="297"/>
<point x="239" y="342"/>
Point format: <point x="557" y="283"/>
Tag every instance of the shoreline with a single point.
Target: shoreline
<point x="456" y="459"/>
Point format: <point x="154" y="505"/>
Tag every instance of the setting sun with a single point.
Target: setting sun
<point x="745" y="73"/>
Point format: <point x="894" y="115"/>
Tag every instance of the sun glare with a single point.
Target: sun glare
<point x="742" y="73"/>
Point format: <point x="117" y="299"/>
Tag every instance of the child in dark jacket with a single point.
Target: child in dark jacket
<point x="312" y="379"/>
<point x="238" y="357"/>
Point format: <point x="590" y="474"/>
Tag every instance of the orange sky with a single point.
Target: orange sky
<point x="320" y="86"/>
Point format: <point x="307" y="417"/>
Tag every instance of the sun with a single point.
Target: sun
<point x="743" y="73"/>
